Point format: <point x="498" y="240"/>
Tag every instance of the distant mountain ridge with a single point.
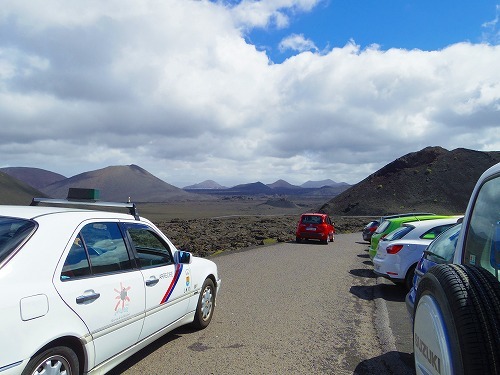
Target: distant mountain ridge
<point x="207" y="184"/>
<point x="35" y="177"/>
<point x="432" y="179"/>
<point x="121" y="183"/>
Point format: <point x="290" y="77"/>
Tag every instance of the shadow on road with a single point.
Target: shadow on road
<point x="155" y="345"/>
<point x="388" y="363"/>
<point x="394" y="293"/>
<point x="363" y="272"/>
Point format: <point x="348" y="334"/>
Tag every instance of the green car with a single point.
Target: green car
<point x="388" y="225"/>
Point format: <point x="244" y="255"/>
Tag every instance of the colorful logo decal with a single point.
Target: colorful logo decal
<point x="122" y="296"/>
<point x="173" y="283"/>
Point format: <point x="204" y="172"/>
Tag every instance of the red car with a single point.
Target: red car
<point x="315" y="226"/>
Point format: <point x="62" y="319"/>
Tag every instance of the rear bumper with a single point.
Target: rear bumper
<point x="312" y="235"/>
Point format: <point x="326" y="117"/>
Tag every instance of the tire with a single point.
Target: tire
<point x="54" y="361"/>
<point x="456" y="327"/>
<point x="298" y="239"/>
<point x="409" y="277"/>
<point x="206" y="305"/>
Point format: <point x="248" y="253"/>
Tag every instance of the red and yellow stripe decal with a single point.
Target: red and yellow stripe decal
<point x="173" y="283"/>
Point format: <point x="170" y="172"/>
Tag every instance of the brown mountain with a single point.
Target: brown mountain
<point x="119" y="183"/>
<point x="14" y="191"/>
<point x="36" y="177"/>
<point x="433" y="179"/>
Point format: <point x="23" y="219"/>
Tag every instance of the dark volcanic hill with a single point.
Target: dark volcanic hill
<point x="433" y="179"/>
<point x="14" y="191"/>
<point x="36" y="177"/>
<point x="118" y="183"/>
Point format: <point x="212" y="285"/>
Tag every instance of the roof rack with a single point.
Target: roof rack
<point x="87" y="197"/>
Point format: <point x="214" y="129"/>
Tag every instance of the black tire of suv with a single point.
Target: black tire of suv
<point x="468" y="301"/>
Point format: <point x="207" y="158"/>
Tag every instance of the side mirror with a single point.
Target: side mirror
<point x="184" y="257"/>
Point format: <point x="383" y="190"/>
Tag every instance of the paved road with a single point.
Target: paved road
<point x="292" y="309"/>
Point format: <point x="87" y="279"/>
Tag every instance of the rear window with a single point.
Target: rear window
<point x="311" y="219"/>
<point x="399" y="233"/>
<point x="13" y="232"/>
<point x="383" y="226"/>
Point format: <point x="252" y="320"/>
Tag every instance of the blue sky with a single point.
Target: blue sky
<point x="245" y="91"/>
<point x="426" y="25"/>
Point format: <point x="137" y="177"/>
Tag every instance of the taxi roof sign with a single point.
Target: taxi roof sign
<point x="81" y="193"/>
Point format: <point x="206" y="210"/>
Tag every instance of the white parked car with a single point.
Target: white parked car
<point x="457" y="306"/>
<point x="82" y="290"/>
<point x="399" y="252"/>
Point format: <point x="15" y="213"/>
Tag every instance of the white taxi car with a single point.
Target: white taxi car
<point x="82" y="290"/>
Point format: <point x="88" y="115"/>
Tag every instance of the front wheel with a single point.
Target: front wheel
<point x="59" y="360"/>
<point x="206" y="305"/>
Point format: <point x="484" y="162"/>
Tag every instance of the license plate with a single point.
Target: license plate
<point x="314" y="229"/>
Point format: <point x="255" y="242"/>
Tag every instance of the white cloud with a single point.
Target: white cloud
<point x="264" y="13"/>
<point x="491" y="33"/>
<point x="297" y="42"/>
<point x="175" y="88"/>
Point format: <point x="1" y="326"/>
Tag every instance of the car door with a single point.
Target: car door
<point x="167" y="283"/>
<point x="98" y="281"/>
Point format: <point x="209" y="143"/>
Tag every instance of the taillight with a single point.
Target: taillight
<point x="373" y="229"/>
<point x="393" y="249"/>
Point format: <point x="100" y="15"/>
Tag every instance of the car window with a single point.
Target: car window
<point x="12" y="234"/>
<point x="77" y="262"/>
<point x="482" y="242"/>
<point x="311" y="219"/>
<point x="399" y="233"/>
<point x="151" y="250"/>
<point x="99" y="248"/>
<point x="382" y="227"/>
<point x="443" y="247"/>
<point x="434" y="232"/>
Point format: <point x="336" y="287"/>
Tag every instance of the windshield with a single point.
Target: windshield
<point x="443" y="247"/>
<point x="12" y="234"/>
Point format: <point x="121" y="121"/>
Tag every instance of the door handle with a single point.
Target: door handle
<point x="87" y="298"/>
<point x="152" y="282"/>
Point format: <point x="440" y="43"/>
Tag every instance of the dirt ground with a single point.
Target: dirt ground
<point x="231" y="224"/>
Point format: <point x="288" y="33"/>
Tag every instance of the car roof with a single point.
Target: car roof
<point x="407" y="219"/>
<point x="32" y="212"/>
<point x="433" y="222"/>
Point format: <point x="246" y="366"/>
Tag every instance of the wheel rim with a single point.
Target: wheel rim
<point x="430" y="339"/>
<point x="206" y="303"/>
<point x="54" y="365"/>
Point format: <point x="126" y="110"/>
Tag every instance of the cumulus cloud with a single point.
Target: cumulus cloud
<point x="174" y="87"/>
<point x="297" y="42"/>
<point x="273" y="13"/>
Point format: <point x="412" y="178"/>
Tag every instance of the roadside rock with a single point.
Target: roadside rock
<point x="205" y="237"/>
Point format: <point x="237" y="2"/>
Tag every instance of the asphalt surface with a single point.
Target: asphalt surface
<point x="292" y="309"/>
